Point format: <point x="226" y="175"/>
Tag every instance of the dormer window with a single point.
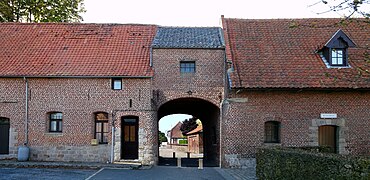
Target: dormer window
<point x="337" y="57"/>
<point x="334" y="53"/>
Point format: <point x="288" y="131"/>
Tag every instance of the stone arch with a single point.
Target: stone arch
<point x="341" y="131"/>
<point x="208" y="113"/>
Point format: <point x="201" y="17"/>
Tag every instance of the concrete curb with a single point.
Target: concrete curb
<point x="66" y="165"/>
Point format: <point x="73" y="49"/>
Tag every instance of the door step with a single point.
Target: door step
<point x="132" y="164"/>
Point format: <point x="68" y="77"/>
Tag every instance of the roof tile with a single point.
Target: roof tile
<point x="59" y="49"/>
<point x="282" y="53"/>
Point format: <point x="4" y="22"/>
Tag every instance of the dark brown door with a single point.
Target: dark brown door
<point x="328" y="137"/>
<point x="4" y="135"/>
<point x="130" y="143"/>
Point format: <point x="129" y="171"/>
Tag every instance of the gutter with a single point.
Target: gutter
<point x="26" y="109"/>
<point x="112" y="143"/>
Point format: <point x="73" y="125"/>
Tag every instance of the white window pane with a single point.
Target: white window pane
<point x="339" y="53"/>
<point x="53" y="126"/>
<point x="60" y="125"/>
<point x="117" y="84"/>
<point x="333" y="53"/>
<point x="334" y="60"/>
<point x="340" y="60"/>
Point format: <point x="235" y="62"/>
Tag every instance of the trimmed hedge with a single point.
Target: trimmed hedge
<point x="184" y="141"/>
<point x="284" y="163"/>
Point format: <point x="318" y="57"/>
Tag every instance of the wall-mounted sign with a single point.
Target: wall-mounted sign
<point x="328" y="115"/>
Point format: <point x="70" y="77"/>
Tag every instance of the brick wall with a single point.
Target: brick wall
<point x="12" y="106"/>
<point x="78" y="99"/>
<point x="206" y="85"/>
<point x="246" y="112"/>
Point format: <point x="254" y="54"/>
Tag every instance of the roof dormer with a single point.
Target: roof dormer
<point x="335" y="51"/>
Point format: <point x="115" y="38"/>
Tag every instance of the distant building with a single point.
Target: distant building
<point x="175" y="134"/>
<point x="195" y="140"/>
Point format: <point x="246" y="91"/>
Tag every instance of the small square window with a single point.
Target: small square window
<point x="116" y="83"/>
<point x="187" y="67"/>
<point x="55" y="124"/>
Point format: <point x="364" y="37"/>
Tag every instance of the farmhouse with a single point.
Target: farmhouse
<point x="95" y="92"/>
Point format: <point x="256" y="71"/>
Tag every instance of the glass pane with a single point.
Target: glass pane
<point x="105" y="137"/>
<point x="132" y="134"/>
<point x="59" y="125"/>
<point x="56" y="116"/>
<point x="105" y="127"/>
<point x="339" y="53"/>
<point x="334" y="60"/>
<point x="117" y="84"/>
<point x="130" y="120"/>
<point x="333" y="53"/>
<point x="127" y="133"/>
<point x="340" y="60"/>
<point x="98" y="136"/>
<point x="98" y="127"/>
<point x="53" y="126"/>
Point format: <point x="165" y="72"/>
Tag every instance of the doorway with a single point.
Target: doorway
<point x="130" y="142"/>
<point x="4" y="135"/>
<point x="328" y="137"/>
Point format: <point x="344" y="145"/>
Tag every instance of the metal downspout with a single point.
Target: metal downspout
<point x="112" y="147"/>
<point x="26" y="109"/>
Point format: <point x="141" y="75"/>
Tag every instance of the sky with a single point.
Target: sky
<point x="199" y="13"/>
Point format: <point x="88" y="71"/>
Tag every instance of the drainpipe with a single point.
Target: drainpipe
<point x="26" y="109"/>
<point x="113" y="132"/>
<point x="220" y="140"/>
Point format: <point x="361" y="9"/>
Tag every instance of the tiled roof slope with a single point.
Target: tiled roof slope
<point x="62" y="50"/>
<point x="188" y="37"/>
<point x="281" y="53"/>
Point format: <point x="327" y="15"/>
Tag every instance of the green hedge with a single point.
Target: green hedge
<point x="284" y="163"/>
<point x="184" y="141"/>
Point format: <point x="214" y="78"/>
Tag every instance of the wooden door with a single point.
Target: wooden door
<point x="130" y="143"/>
<point x="4" y="135"/>
<point x="328" y="137"/>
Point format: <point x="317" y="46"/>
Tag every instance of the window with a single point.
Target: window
<point x="187" y="67"/>
<point x="335" y="52"/>
<point x="56" y="122"/>
<point x="272" y="132"/>
<point x="117" y="83"/>
<point x="337" y="57"/>
<point x="101" y="127"/>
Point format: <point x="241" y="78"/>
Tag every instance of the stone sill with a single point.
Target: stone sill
<point x="53" y="134"/>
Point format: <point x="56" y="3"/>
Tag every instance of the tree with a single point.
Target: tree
<point x="161" y="137"/>
<point x="347" y="7"/>
<point x="41" y="10"/>
<point x="188" y="125"/>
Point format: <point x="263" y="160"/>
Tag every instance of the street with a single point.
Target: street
<point x="156" y="172"/>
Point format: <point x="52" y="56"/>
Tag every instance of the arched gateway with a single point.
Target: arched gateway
<point x="208" y="113"/>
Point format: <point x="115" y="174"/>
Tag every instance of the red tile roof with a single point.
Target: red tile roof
<point x="60" y="49"/>
<point x="176" y="132"/>
<point x="282" y="53"/>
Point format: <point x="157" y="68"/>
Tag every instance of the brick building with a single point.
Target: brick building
<point x="296" y="83"/>
<point x="175" y="134"/>
<point x="95" y="92"/>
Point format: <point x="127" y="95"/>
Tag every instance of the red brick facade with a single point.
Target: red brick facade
<point x="232" y="113"/>
<point x="243" y="127"/>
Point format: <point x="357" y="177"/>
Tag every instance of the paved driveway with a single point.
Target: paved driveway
<point x="43" y="174"/>
<point x="157" y="172"/>
<point x="162" y="173"/>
